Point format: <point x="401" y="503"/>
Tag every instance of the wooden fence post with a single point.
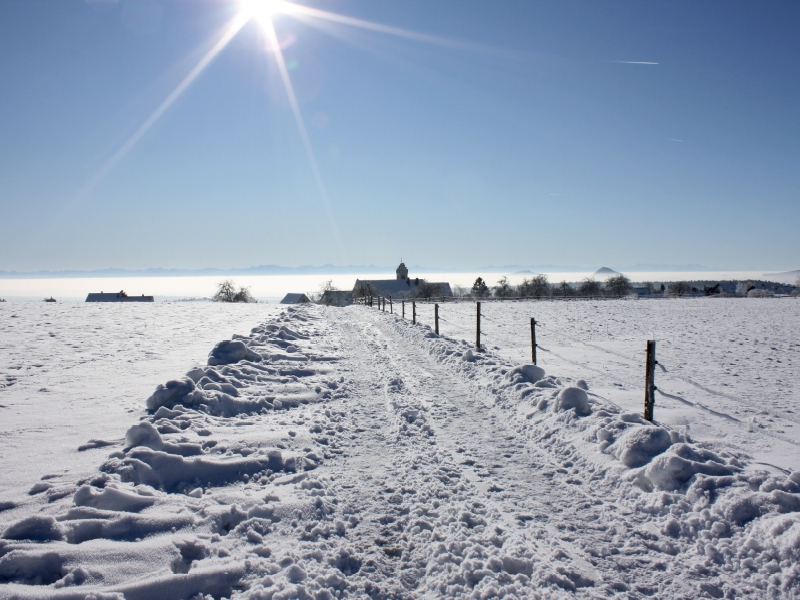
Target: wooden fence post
<point x="649" y="381"/>
<point x="391" y="312"/>
<point x="478" y="327"/>
<point x="414" y="312"/>
<point x="436" y="317"/>
<point x="404" y="308"/>
<point x="533" y="340"/>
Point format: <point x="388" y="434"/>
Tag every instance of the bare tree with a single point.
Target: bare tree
<point x="426" y="291"/>
<point x="459" y="291"/>
<point x="618" y="286"/>
<point x="763" y="293"/>
<point x="503" y="289"/>
<point x="321" y="296"/>
<point x="743" y="287"/>
<point x="678" y="288"/>
<point x="537" y="287"/>
<point x="226" y="292"/>
<point x="590" y="287"/>
<point x="563" y="290"/>
<point x="364" y="289"/>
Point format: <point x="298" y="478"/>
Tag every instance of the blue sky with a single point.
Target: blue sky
<point x="526" y="142"/>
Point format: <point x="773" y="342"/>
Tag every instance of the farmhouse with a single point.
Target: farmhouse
<point x="295" y="299"/>
<point x="120" y="296"/>
<point x="336" y="298"/>
<point x="401" y="287"/>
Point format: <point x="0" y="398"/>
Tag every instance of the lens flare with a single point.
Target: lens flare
<point x="283" y="69"/>
<point x="263" y="13"/>
<point x="227" y="36"/>
<point x="261" y="10"/>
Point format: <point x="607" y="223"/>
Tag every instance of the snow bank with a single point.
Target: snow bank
<point x="366" y="458"/>
<point x="231" y="351"/>
<point x="725" y="527"/>
<point x="525" y="374"/>
<point x="573" y="398"/>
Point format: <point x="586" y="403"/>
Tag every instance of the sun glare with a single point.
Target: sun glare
<point x="261" y="10"/>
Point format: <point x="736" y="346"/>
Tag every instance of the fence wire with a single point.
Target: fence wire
<point x="554" y="333"/>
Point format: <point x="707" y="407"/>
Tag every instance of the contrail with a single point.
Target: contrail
<point x="634" y="62"/>
<point x="229" y="34"/>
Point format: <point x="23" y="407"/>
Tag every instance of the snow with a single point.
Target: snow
<point x="348" y="453"/>
<point x="75" y="372"/>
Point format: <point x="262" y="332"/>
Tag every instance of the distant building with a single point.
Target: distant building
<point x="295" y="299"/>
<point x="402" y="286"/>
<point x="722" y="288"/>
<point x="121" y="296"/>
<point x="336" y="298"/>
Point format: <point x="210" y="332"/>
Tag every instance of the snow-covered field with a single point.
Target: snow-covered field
<point x="70" y="372"/>
<point x="348" y="453"/>
<point x="730" y="366"/>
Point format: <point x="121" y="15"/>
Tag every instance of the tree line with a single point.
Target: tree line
<point x="540" y="287"/>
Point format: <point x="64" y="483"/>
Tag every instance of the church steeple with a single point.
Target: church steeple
<point x="402" y="272"/>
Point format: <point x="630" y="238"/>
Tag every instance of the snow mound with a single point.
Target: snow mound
<point x="675" y="468"/>
<point x="171" y="473"/>
<point x="30" y="568"/>
<point x="231" y="351"/>
<point x="38" y="528"/>
<point x="573" y="398"/>
<point x="638" y="446"/>
<point x="111" y="498"/>
<point x="143" y="434"/>
<point x="525" y="374"/>
<point x="173" y="392"/>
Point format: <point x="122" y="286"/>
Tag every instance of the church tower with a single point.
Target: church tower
<point x="402" y="272"/>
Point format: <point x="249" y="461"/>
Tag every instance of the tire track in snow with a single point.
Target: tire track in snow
<point x="560" y="520"/>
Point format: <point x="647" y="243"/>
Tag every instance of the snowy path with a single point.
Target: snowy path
<point x="449" y="437"/>
<point x="349" y="453"/>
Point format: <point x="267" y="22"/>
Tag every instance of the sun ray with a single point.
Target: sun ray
<point x="298" y="10"/>
<point x="238" y="22"/>
<point x="263" y="12"/>
<point x="272" y="37"/>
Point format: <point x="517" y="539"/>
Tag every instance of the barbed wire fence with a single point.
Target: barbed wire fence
<point x="455" y="312"/>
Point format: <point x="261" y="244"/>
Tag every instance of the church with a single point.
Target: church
<point x="402" y="286"/>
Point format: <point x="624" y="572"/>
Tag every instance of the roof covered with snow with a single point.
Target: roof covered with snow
<point x="295" y="299"/>
<point x="118" y="297"/>
<point x="398" y="288"/>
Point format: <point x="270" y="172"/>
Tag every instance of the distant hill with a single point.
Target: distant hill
<point x="604" y="272"/>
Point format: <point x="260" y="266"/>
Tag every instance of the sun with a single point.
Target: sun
<point x="261" y="10"/>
